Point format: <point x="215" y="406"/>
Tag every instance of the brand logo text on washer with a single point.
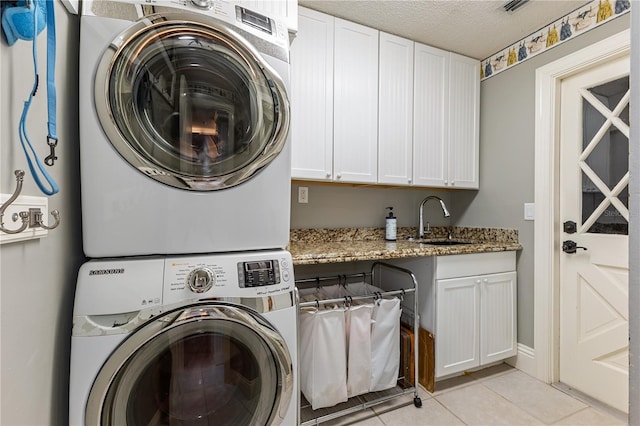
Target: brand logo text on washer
<point x="106" y="271"/>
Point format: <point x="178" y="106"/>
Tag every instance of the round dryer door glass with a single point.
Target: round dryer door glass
<point x="211" y="364"/>
<point x="190" y="103"/>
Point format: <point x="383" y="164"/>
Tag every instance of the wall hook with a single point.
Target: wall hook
<point x="32" y="219"/>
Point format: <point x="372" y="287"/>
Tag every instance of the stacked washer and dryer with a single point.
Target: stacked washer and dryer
<point x="186" y="313"/>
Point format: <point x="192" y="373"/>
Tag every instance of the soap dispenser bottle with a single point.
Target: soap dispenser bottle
<point x="390" y="229"/>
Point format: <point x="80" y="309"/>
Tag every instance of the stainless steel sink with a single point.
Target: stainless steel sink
<point x="440" y="242"/>
<point x="446" y="243"/>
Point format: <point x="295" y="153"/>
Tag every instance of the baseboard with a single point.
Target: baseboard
<point x="525" y="361"/>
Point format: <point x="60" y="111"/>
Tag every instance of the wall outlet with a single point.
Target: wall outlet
<point x="303" y="194"/>
<point x="529" y="211"/>
<point x="12" y="221"/>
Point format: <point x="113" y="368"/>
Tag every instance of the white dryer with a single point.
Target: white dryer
<point x="184" y="124"/>
<point x="185" y="340"/>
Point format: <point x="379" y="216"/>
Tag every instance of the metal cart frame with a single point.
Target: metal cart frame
<point x="368" y="400"/>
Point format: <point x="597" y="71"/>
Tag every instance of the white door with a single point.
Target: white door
<point x="430" y="116"/>
<point x="355" y="100"/>
<point x="395" y="111"/>
<point x="464" y="122"/>
<point x="312" y="97"/>
<point x="594" y="178"/>
<point x="498" y="338"/>
<point x="457" y="339"/>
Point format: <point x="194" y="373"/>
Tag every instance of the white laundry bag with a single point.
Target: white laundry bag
<point x="385" y="344"/>
<point x="357" y="339"/>
<point x="358" y="325"/>
<point x="323" y="361"/>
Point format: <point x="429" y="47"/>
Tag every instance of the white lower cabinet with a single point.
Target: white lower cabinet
<point x="475" y="311"/>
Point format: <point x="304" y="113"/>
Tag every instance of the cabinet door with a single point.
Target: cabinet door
<point x="312" y="97"/>
<point x="464" y="116"/>
<point x="355" y="112"/>
<point x="395" y="117"/>
<point x="497" y="317"/>
<point x="457" y="341"/>
<point x="430" y="116"/>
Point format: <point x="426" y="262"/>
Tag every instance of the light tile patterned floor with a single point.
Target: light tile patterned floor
<point x="499" y="395"/>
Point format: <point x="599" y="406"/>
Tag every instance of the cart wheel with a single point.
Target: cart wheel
<point x="417" y="401"/>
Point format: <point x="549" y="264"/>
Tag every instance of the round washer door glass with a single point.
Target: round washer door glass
<point x="211" y="364"/>
<point x="190" y="103"/>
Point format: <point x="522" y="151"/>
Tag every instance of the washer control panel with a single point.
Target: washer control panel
<point x="258" y="273"/>
<point x="227" y="275"/>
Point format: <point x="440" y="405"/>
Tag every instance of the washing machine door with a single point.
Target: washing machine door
<point x="189" y="102"/>
<point x="212" y="363"/>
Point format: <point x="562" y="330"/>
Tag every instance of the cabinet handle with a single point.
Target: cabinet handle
<point x="486" y="280"/>
<point x="453" y="183"/>
<point x="446" y="183"/>
<point x="338" y="176"/>
<point x="328" y="175"/>
<point x="409" y="180"/>
<point x="477" y="281"/>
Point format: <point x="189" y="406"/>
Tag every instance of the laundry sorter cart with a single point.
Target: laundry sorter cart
<point x="342" y="369"/>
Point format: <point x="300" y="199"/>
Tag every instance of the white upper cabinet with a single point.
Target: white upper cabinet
<point x="430" y="116"/>
<point x="370" y="107"/>
<point x="312" y="97"/>
<point x="355" y="110"/>
<point x="464" y="122"/>
<point x="395" y="111"/>
<point x="446" y="119"/>
<point x="284" y="10"/>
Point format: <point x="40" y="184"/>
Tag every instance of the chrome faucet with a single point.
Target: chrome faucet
<point x="446" y="213"/>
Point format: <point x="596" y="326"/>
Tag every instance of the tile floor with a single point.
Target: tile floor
<point x="500" y="395"/>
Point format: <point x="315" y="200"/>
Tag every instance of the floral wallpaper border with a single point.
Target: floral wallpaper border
<point x="578" y="22"/>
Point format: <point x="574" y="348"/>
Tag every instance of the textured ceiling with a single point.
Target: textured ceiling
<point x="475" y="28"/>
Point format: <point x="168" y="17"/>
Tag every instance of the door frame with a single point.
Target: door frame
<point x="546" y="241"/>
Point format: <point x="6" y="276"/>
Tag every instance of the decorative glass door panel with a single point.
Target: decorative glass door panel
<point x="605" y="158"/>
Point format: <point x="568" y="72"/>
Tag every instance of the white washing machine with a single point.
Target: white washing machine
<point x="184" y="124"/>
<point x="185" y="341"/>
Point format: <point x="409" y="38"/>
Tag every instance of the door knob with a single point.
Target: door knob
<point x="571" y="246"/>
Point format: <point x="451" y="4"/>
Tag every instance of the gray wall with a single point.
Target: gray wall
<point x="344" y="206"/>
<point x="507" y="132"/>
<point x="37" y="278"/>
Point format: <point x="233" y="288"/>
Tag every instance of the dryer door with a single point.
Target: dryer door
<point x="189" y="102"/>
<point x="212" y="363"/>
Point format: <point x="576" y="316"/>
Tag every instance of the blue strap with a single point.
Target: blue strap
<point x="51" y="74"/>
<point x="22" y="130"/>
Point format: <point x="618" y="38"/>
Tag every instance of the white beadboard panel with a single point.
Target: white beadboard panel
<point x="430" y="116"/>
<point x="497" y="317"/>
<point x="355" y="115"/>
<point x="395" y="118"/>
<point x="464" y="95"/>
<point x="457" y="325"/>
<point x="312" y="97"/>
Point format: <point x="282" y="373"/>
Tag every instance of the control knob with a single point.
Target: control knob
<point x="202" y="4"/>
<point x="200" y="280"/>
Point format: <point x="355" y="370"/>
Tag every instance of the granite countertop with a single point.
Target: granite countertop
<point x="316" y="246"/>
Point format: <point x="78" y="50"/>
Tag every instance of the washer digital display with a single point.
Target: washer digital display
<point x="258" y="273"/>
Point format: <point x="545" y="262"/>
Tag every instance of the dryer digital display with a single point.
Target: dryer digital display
<point x="258" y="274"/>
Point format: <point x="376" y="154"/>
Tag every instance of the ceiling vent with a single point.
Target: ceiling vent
<point x="513" y="5"/>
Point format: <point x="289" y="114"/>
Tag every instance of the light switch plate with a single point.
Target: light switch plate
<point x="529" y="211"/>
<point x="12" y="221"/>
